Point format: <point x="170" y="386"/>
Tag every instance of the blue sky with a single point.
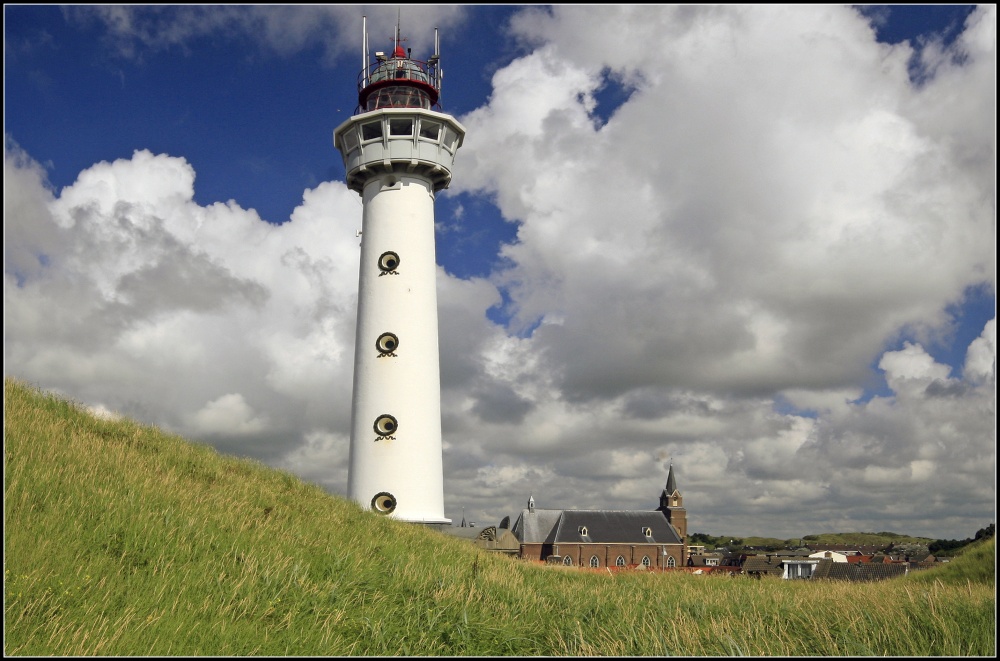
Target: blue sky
<point x="756" y="240"/>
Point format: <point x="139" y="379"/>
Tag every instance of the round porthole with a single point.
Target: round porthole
<point x="388" y="261"/>
<point x="384" y="502"/>
<point x="386" y="343"/>
<point x="385" y="425"/>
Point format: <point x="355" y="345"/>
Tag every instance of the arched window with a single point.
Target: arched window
<point x="620" y="562"/>
<point x="645" y="561"/>
<point x="670" y="561"/>
<point x="594" y="562"/>
<point x="567" y="560"/>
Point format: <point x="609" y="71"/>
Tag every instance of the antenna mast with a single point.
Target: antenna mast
<point x="399" y="12"/>
<point x="436" y="60"/>
<point x="364" y="50"/>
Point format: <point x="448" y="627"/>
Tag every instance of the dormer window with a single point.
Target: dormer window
<point x="582" y="530"/>
<point x="647" y="531"/>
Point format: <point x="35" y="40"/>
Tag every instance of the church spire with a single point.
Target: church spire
<point x="670" y="497"/>
<point x="672" y="504"/>
<point x="671" y="483"/>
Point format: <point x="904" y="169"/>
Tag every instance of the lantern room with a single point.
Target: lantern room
<point x="399" y="81"/>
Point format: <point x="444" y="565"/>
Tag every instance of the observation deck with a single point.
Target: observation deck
<point x="394" y="129"/>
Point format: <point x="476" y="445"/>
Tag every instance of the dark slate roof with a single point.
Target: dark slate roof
<point x="615" y="527"/>
<point x="824" y="566"/>
<point x="762" y="563"/>
<point x="878" y="572"/>
<point x="844" y="571"/>
<point x="534" y="525"/>
<point x="603" y="527"/>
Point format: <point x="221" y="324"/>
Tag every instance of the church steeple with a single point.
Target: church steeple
<point x="672" y="504"/>
<point x="671" y="496"/>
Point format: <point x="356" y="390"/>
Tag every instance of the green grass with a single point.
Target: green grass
<point x="121" y="540"/>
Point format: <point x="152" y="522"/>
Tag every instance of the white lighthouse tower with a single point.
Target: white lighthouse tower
<point x="398" y="153"/>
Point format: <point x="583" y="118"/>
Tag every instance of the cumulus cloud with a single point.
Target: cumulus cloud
<point x="981" y="359"/>
<point x="772" y="194"/>
<point x="229" y="415"/>
<point x="705" y="273"/>
<point x="123" y="290"/>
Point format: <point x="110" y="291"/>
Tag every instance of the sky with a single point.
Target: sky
<point x="756" y="242"/>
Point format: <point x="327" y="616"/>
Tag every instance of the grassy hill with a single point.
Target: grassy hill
<point x="121" y="540"/>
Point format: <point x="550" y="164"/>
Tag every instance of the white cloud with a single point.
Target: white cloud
<point x="227" y="415"/>
<point x="981" y="359"/>
<point x="911" y="365"/>
<point x="763" y="215"/>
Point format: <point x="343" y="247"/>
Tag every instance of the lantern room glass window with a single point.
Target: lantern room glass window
<point x="397" y="69"/>
<point x="398" y="96"/>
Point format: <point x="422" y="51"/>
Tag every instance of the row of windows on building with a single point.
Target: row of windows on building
<point x="619" y="561"/>
<point x="395" y="128"/>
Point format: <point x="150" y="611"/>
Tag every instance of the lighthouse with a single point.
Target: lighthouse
<point x="398" y="151"/>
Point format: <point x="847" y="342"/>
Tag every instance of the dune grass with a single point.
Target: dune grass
<point x="123" y="540"/>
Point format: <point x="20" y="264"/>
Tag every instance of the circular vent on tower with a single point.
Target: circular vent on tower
<point x="385" y="425"/>
<point x="383" y="502"/>
<point x="386" y="343"/>
<point x="388" y="261"/>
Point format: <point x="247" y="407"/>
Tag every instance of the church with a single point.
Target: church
<point x="652" y="540"/>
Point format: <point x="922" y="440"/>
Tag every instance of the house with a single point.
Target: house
<point x="607" y="538"/>
<point x="757" y="566"/>
<point x="781" y="564"/>
<point x="704" y="560"/>
<point x="836" y="556"/>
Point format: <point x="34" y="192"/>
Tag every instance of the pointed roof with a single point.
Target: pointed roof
<point x="671" y="483"/>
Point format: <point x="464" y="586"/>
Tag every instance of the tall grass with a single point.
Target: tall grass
<point x="123" y="540"/>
